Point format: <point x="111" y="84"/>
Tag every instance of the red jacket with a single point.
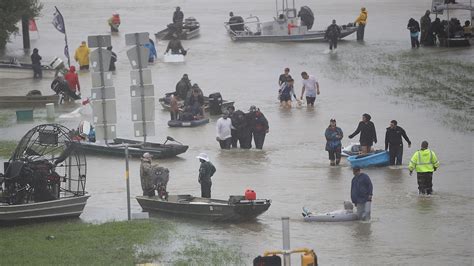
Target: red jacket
<point x="72" y="79"/>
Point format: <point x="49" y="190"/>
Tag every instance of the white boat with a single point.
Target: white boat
<point x="351" y="149"/>
<point x="285" y="27"/>
<point x="173" y="58"/>
<point x="345" y="215"/>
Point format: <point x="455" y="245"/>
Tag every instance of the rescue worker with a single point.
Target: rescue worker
<point x="425" y="23"/>
<point x="36" y="64"/>
<point x="361" y="20"/>
<point x="178" y="16"/>
<point x="73" y="84"/>
<point x="306" y="16"/>
<point x="425" y="162"/>
<point x="236" y="23"/>
<point x="175" y="46"/>
<point x="113" y="59"/>
<point x="258" y="125"/>
<point x="224" y="131"/>
<point x="414" y="28"/>
<point x="146" y="172"/>
<point x="332" y="35"/>
<point x="206" y="171"/>
<point x="394" y="143"/>
<point x="311" y="87"/>
<point x="361" y="193"/>
<point x="82" y="56"/>
<point x="367" y="134"/>
<point x="333" y="136"/>
<point x="233" y="131"/>
<point x="183" y="88"/>
<point x="114" y="22"/>
<point x="151" y="51"/>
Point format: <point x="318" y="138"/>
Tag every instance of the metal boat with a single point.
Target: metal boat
<point x="191" y="123"/>
<point x="15" y="70"/>
<point x="377" y="158"/>
<point x="285" y="27"/>
<point x="27" y="101"/>
<point x="236" y="209"/>
<point x="135" y="149"/>
<point x="190" y="30"/>
<point x="165" y="103"/>
<point x="44" y="178"/>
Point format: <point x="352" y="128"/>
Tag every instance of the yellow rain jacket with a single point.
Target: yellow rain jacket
<point x="82" y="55"/>
<point x="424" y="161"/>
<point x="362" y="18"/>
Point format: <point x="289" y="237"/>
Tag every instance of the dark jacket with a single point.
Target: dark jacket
<point x="332" y="141"/>
<point x="361" y="188"/>
<point x="413" y="26"/>
<point x="183" y="88"/>
<point x="393" y="136"/>
<point x="206" y="171"/>
<point x="35" y="59"/>
<point x="257" y="122"/>
<point x="332" y="32"/>
<point x="178" y="16"/>
<point x="176" y="47"/>
<point x="367" y="133"/>
<point x="239" y="121"/>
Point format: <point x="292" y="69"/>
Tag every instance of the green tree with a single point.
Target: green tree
<point x="11" y="11"/>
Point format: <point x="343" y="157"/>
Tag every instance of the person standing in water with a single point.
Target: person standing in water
<point x="361" y="193"/>
<point x="425" y="162"/>
<point x="224" y="129"/>
<point x="286" y="91"/>
<point x="284" y="77"/>
<point x="333" y="136"/>
<point x="394" y="143"/>
<point x="206" y="171"/>
<point x="36" y="64"/>
<point x="332" y="34"/>
<point x="361" y="20"/>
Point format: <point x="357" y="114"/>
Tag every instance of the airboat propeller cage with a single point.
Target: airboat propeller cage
<point x="45" y="166"/>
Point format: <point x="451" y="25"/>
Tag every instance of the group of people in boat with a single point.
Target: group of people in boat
<point x="428" y="33"/>
<point x="193" y="98"/>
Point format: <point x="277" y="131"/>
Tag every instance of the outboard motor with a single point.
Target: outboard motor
<point x="215" y="103"/>
<point x="191" y="23"/>
<point x="307" y="16"/>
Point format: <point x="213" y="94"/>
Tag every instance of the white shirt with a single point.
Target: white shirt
<point x="223" y="127"/>
<point x="310" y="86"/>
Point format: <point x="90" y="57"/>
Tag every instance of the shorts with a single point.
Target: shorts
<point x="285" y="98"/>
<point x="310" y="100"/>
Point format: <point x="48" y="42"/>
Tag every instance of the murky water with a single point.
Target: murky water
<point x="293" y="169"/>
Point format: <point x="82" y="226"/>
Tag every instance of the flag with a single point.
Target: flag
<point x="58" y="21"/>
<point x="32" y="25"/>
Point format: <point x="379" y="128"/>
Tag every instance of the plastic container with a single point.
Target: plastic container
<point x="250" y="195"/>
<point x="24" y="115"/>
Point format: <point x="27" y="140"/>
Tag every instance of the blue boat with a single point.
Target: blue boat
<point x="192" y="123"/>
<point x="377" y="158"/>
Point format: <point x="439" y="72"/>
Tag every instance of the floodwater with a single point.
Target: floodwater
<point x="293" y="169"/>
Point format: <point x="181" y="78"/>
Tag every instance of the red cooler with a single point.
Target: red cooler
<point x="250" y="195"/>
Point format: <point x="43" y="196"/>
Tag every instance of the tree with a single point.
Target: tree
<point x="11" y="11"/>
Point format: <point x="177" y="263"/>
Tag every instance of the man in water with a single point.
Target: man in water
<point x="332" y="35"/>
<point x="368" y="136"/>
<point x="224" y="131"/>
<point x="175" y="46"/>
<point x="361" y="20"/>
<point x="206" y="171"/>
<point x="361" y="193"/>
<point x="425" y="162"/>
<point x="311" y="86"/>
<point x="146" y="172"/>
<point x="394" y="143"/>
<point x="284" y="77"/>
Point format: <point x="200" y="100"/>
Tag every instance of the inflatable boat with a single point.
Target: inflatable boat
<point x="377" y="158"/>
<point x="351" y="149"/>
<point x="192" y="123"/>
<point x="335" y="216"/>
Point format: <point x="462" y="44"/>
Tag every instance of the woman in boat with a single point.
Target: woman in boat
<point x="332" y="34"/>
<point x="368" y="136"/>
<point x="361" y="20"/>
<point x="286" y="91"/>
<point x="333" y="136"/>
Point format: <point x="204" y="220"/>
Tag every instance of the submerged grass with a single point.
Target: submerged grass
<point x="7" y="147"/>
<point x="112" y="243"/>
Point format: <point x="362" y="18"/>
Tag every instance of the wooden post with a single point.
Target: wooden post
<point x="25" y="22"/>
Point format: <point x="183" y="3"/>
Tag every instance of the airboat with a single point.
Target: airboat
<point x="44" y="178"/>
<point x="285" y="27"/>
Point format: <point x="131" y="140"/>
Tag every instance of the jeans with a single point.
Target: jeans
<point x="332" y="43"/>
<point x="259" y="138"/>
<point x="173" y="115"/>
<point x="415" y="42"/>
<point x="425" y="182"/>
<point x="396" y="154"/>
<point x="225" y="144"/>
<point x="363" y="210"/>
<point x="334" y="154"/>
<point x="206" y="189"/>
<point x="37" y="71"/>
<point x="360" y="32"/>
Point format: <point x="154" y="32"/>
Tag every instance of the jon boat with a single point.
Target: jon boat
<point x="192" y="123"/>
<point x="351" y="149"/>
<point x="27" y="101"/>
<point x="377" y="158"/>
<point x="235" y="209"/>
<point x="15" y="70"/>
<point x="44" y="178"/>
<point x="285" y="27"/>
<point x="136" y="148"/>
<point x="166" y="106"/>
<point x="189" y="31"/>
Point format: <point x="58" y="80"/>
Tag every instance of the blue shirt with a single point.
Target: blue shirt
<point x="361" y="188"/>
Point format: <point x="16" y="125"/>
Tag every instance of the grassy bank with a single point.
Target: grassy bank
<point x="7" y="147"/>
<point x="112" y="243"/>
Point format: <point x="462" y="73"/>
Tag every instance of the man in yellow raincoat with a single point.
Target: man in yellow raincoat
<point x="361" y="20"/>
<point x="82" y="56"/>
<point x="425" y="162"/>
